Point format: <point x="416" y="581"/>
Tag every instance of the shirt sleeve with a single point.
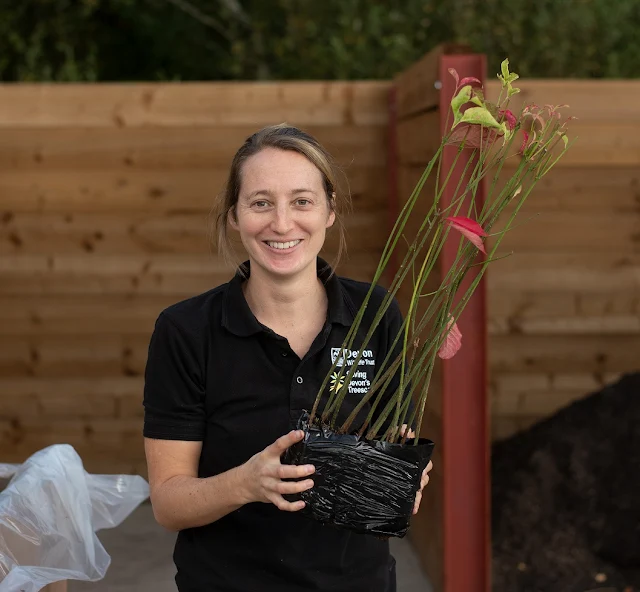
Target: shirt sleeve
<point x="174" y="391"/>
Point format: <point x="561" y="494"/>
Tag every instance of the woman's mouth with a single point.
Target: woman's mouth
<point x="282" y="246"/>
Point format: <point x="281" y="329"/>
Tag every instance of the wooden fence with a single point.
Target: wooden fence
<point x="564" y="310"/>
<point x="105" y="192"/>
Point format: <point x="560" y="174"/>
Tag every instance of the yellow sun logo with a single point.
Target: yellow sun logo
<point x="337" y="382"/>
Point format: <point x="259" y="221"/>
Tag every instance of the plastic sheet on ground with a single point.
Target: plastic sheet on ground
<point x="49" y="514"/>
<point x="361" y="486"/>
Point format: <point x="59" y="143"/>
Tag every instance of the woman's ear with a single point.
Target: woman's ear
<point x="231" y="219"/>
<point x="332" y="211"/>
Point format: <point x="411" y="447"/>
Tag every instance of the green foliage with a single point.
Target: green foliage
<point x="88" y="40"/>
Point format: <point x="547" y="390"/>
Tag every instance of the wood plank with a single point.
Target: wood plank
<point x="193" y="104"/>
<point x="123" y="150"/>
<point x="527" y="304"/>
<point x="125" y="462"/>
<point x="584" y="188"/>
<point x="180" y="283"/>
<point x="418" y="138"/>
<point x="588" y="99"/>
<point x="563" y="353"/>
<point x="566" y="325"/>
<point x="132" y="232"/>
<point x="570" y="231"/>
<point x="99" y="435"/>
<point x="80" y="315"/>
<point x="540" y="395"/>
<point x="67" y="356"/>
<point x="416" y="86"/>
<point x="598" y="143"/>
<point x="581" y="272"/>
<point x="67" y="398"/>
<point x="157" y="191"/>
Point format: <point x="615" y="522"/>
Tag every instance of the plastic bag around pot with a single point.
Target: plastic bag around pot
<point x="49" y="513"/>
<point x="368" y="487"/>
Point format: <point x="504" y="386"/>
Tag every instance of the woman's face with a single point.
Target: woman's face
<point x="282" y="213"/>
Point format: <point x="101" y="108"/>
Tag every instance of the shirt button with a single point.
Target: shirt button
<point x="284" y="354"/>
<point x="299" y="380"/>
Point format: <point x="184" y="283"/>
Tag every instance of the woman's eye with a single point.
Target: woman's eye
<point x="303" y="202"/>
<point x="260" y="204"/>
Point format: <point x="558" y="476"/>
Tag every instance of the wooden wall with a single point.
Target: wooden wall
<point x="564" y="310"/>
<point x="105" y="192"/>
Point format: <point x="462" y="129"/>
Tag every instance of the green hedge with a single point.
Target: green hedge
<point x="90" y="40"/>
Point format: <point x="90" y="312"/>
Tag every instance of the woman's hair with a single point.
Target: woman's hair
<point x="282" y="137"/>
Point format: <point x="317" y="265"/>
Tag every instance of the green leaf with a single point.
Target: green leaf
<point x="463" y="97"/>
<point x="481" y="116"/>
<point x="507" y="78"/>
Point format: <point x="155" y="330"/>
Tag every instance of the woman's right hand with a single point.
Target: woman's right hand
<point x="263" y="474"/>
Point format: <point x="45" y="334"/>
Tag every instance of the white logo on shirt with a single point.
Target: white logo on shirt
<point x="360" y="381"/>
<point x="350" y="355"/>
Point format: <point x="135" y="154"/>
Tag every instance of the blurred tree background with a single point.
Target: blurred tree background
<point x="110" y="40"/>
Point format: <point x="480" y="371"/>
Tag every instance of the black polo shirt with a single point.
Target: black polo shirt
<point x="215" y="374"/>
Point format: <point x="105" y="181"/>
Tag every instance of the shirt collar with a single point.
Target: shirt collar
<point x="238" y="318"/>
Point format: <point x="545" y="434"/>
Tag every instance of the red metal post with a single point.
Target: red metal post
<point x="465" y="443"/>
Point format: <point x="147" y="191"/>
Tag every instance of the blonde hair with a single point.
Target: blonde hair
<point x="282" y="137"/>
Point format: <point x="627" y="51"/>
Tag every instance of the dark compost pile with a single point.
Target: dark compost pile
<point x="566" y="498"/>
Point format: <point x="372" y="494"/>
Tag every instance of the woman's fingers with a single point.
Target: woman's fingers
<point x="416" y="504"/>
<point x="282" y="504"/>
<point x="294" y="471"/>
<point x="288" y="487"/>
<point x="425" y="476"/>
<point x="284" y="442"/>
<point x="403" y="430"/>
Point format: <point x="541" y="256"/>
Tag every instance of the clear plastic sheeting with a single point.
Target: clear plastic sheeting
<point x="49" y="514"/>
<point x="366" y="487"/>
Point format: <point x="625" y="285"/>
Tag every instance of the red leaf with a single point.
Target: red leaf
<point x="452" y="342"/>
<point x="509" y="117"/>
<point x="470" y="229"/>
<point x="525" y="142"/>
<point x="469" y="80"/>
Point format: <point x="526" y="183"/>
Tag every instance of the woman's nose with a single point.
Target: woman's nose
<point x="282" y="221"/>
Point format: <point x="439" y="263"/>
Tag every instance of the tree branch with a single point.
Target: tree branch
<point x="205" y="19"/>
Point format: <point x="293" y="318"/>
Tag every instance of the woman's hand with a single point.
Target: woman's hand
<point x="263" y="474"/>
<point x="423" y="483"/>
<point x="425" y="474"/>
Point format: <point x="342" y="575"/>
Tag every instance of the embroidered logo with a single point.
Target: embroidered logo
<point x="362" y="377"/>
<point x="339" y="356"/>
<point x="337" y="382"/>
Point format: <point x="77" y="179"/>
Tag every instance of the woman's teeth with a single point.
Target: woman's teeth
<point x="287" y="245"/>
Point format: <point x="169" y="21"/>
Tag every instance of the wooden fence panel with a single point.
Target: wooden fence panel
<point x="564" y="310"/>
<point x="105" y="198"/>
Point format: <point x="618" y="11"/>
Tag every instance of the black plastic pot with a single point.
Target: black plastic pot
<point x="368" y="487"/>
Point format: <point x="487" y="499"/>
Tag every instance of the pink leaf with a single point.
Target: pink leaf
<point x="452" y="342"/>
<point x="469" y="80"/>
<point x="509" y="117"/>
<point x="525" y="142"/>
<point x="470" y="229"/>
<point x="454" y="73"/>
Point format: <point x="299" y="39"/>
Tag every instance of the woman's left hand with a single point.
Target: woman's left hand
<point x="425" y="474"/>
<point x="423" y="483"/>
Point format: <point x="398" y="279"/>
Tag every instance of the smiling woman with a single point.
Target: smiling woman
<point x="289" y="173"/>
<point x="231" y="371"/>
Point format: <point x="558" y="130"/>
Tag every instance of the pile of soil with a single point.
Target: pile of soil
<point x="566" y="498"/>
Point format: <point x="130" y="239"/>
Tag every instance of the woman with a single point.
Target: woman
<point x="229" y="373"/>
